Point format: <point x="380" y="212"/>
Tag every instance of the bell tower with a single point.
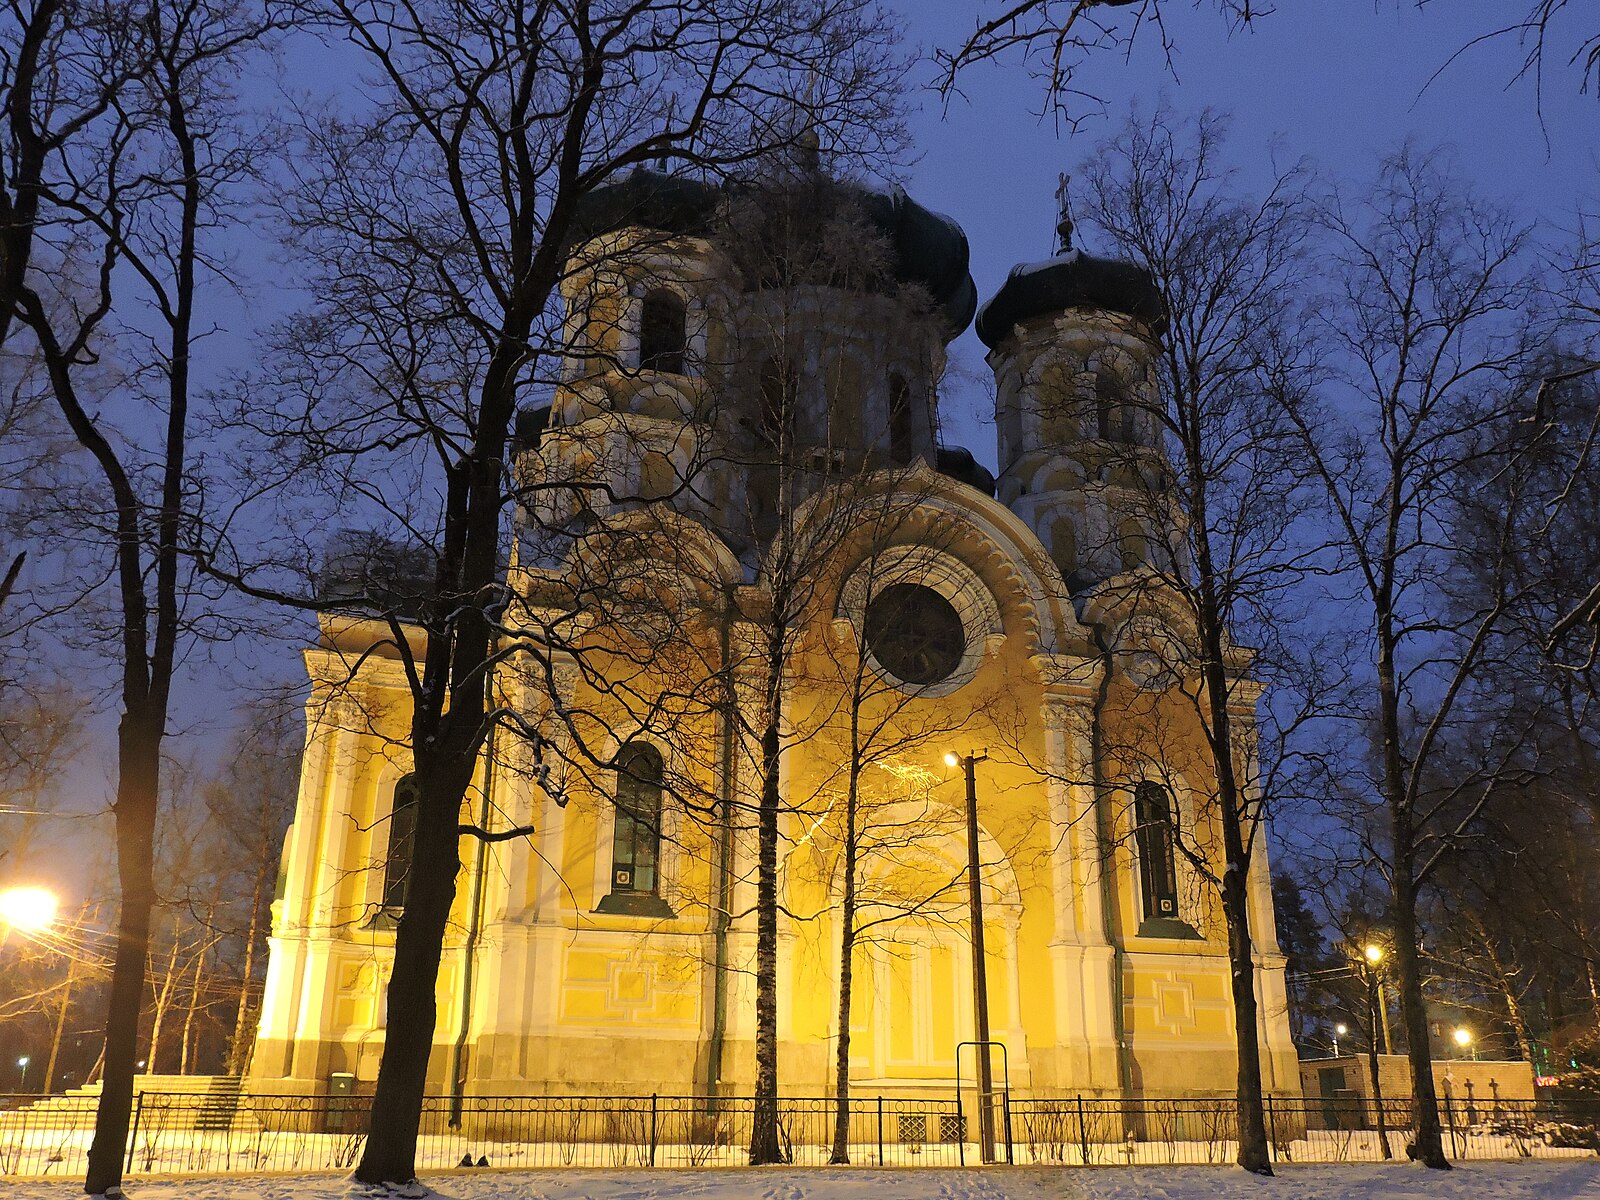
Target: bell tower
<point x="1072" y="343"/>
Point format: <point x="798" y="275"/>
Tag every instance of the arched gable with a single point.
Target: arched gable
<point x="1002" y="550"/>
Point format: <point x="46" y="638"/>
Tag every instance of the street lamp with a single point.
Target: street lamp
<point x="1463" y="1037"/>
<point x="22" y="1076"/>
<point x="1339" y="1031"/>
<point x="27" y="909"/>
<point x="1373" y="954"/>
<point x="980" y="983"/>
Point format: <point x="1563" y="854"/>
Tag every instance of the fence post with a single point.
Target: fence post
<point x="1083" y="1131"/>
<point x="133" y="1131"/>
<point x="880" y="1130"/>
<point x="1272" y="1128"/>
<point x="1006" y="1110"/>
<point x="653" y="1111"/>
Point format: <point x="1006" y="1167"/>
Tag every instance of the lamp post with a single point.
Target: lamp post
<point x="1339" y="1031"/>
<point x="22" y="1073"/>
<point x="1463" y="1037"/>
<point x="1373" y="954"/>
<point x="980" y="982"/>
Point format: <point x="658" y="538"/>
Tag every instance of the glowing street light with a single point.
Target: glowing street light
<point x="1339" y="1031"/>
<point x="22" y="1077"/>
<point x="27" y="909"/>
<point x="1463" y="1037"/>
<point x="1374" y="954"/>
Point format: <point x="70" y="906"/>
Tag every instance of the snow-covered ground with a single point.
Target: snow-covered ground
<point x="1472" y="1181"/>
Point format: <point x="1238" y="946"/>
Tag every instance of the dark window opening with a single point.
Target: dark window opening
<point x="1155" y="836"/>
<point x="402" y="843"/>
<point x="1114" y="407"/>
<point x="636" y="838"/>
<point x="663" y="332"/>
<point x="902" y="429"/>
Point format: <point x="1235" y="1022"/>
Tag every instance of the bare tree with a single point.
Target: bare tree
<point x="1427" y="322"/>
<point x="1213" y="492"/>
<point x="133" y="206"/>
<point x="440" y="224"/>
<point x="1055" y="37"/>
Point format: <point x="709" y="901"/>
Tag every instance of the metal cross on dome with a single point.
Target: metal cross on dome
<point x="1064" y="215"/>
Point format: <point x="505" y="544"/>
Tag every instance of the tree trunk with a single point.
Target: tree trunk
<point x="1255" y="1153"/>
<point x="847" y="939"/>
<point x="61" y="1024"/>
<point x="1429" y="1148"/>
<point x="163" y="1003"/>
<point x="764" y="1144"/>
<point x="391" y="1149"/>
<point x="238" y="1046"/>
<point x="194" y="1006"/>
<point x="139" y="760"/>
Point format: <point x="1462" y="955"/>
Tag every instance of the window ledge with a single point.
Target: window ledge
<point x="1167" y="927"/>
<point x="635" y="904"/>
<point x="385" y="917"/>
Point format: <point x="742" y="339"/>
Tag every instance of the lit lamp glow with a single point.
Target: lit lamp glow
<point x="950" y="760"/>
<point x="1374" y="954"/>
<point x="28" y="909"/>
<point x="1463" y="1037"/>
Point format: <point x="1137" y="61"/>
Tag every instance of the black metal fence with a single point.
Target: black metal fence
<point x="1152" y="1131"/>
<point x="201" y="1133"/>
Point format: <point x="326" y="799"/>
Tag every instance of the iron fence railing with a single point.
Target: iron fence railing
<point x="1155" y="1131"/>
<point x="197" y="1133"/>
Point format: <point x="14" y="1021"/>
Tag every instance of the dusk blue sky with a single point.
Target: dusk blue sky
<point x="1339" y="83"/>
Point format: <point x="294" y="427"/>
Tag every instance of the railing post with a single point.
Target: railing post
<point x="1006" y="1109"/>
<point x="880" y="1130"/>
<point x="133" y="1131"/>
<point x="1272" y="1129"/>
<point x="653" y="1112"/>
<point x="1083" y="1131"/>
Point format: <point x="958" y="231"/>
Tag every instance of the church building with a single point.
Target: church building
<point x="737" y="492"/>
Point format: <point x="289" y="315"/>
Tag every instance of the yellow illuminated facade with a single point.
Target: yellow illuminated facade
<point x="1024" y="618"/>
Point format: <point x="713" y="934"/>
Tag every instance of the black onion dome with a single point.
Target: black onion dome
<point x="957" y="462"/>
<point x="929" y="249"/>
<point x="1072" y="280"/>
<point x="649" y="199"/>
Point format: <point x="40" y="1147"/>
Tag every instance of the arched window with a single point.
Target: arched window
<point x="902" y="428"/>
<point x="636" y="840"/>
<point x="1133" y="544"/>
<point x="1155" y="836"/>
<point x="663" y="332"/>
<point x="402" y="843"/>
<point x="1114" y="407"/>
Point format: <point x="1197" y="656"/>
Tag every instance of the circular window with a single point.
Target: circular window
<point x="914" y="633"/>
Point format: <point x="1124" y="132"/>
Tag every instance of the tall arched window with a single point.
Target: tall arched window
<point x="636" y="839"/>
<point x="1155" y="836"/>
<point x="402" y="843"/>
<point x="1132" y="543"/>
<point x="902" y="428"/>
<point x="1114" y="407"/>
<point x="663" y="332"/>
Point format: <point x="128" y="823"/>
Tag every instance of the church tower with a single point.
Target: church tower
<point x="1072" y="344"/>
